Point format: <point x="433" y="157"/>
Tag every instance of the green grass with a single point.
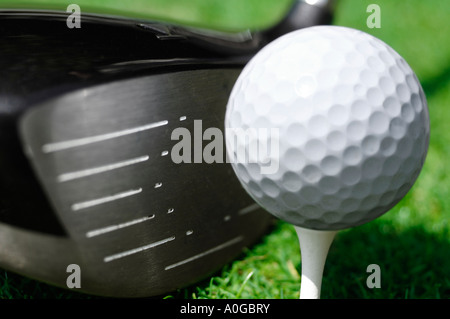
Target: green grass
<point x="229" y="15"/>
<point x="411" y="243"/>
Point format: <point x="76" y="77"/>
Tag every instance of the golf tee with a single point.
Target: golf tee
<point x="314" y="246"/>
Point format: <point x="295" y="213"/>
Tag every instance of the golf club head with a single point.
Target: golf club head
<point x="90" y="120"/>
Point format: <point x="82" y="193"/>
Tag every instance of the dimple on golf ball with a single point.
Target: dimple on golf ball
<point x="351" y="123"/>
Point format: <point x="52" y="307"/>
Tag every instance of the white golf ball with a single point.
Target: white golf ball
<point x="327" y="127"/>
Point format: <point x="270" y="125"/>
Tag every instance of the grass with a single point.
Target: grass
<point x="229" y="15"/>
<point x="411" y="243"/>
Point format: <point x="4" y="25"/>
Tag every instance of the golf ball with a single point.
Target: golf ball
<point x="327" y="127"/>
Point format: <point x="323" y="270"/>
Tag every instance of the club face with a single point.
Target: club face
<point x="142" y="224"/>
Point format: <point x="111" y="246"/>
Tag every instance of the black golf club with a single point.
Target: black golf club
<point x="86" y="174"/>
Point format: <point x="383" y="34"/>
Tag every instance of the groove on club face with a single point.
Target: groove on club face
<point x="137" y="250"/>
<point x="60" y="146"/>
<point x="248" y="209"/>
<point x="107" y="229"/>
<point x="141" y="224"/>
<point x="205" y="253"/>
<point x="106" y="199"/>
<point x="97" y="170"/>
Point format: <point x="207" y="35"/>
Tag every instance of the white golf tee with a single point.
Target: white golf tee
<point x="314" y="246"/>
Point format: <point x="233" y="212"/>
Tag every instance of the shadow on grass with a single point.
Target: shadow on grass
<point x="14" y="286"/>
<point x="413" y="263"/>
<point x="437" y="83"/>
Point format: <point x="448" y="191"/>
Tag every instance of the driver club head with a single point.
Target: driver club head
<point x="89" y="119"/>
